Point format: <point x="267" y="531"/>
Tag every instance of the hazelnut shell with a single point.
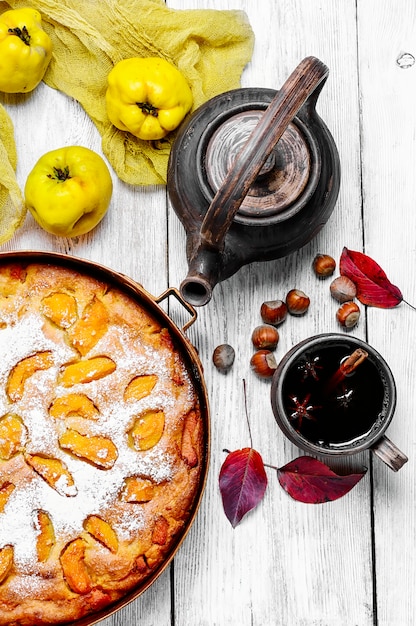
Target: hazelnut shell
<point x="263" y="363"/>
<point x="265" y="336"/>
<point x="297" y="302"/>
<point x="273" y="312"/>
<point x="348" y="314"/>
<point x="324" y="265"/>
<point x="343" y="289"/>
<point x="223" y="357"/>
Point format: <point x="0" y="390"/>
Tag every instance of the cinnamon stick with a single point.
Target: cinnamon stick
<point x="347" y="367"/>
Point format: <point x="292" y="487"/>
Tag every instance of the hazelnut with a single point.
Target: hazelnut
<point x="297" y="302"/>
<point x="273" y="312"/>
<point x="265" y="336"/>
<point x="348" y="314"/>
<point x="323" y="265"/>
<point x="223" y="357"/>
<point x="263" y="363"/>
<point x="343" y="289"/>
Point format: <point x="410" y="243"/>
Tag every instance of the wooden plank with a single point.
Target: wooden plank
<point x="388" y="89"/>
<point x="287" y="563"/>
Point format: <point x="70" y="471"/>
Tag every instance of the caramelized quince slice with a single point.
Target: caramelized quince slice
<point x="13" y="435"/>
<point x="73" y="404"/>
<point x="74" y="567"/>
<point x="188" y="451"/>
<point x="45" y="540"/>
<point x="102" y="532"/>
<point x="92" y="325"/>
<point x="147" y="429"/>
<point x="54" y="472"/>
<point x="97" y="450"/>
<point x="141" y="564"/>
<point x="160" y="531"/>
<point x="6" y="490"/>
<point x="23" y="370"/>
<point x="6" y="561"/>
<point x="60" y="308"/>
<point x="137" y="489"/>
<point x="86" y="371"/>
<point x="140" y="387"/>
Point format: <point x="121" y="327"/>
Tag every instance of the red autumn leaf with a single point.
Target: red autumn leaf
<point x="373" y="286"/>
<point x="243" y="482"/>
<point x="308" y="480"/>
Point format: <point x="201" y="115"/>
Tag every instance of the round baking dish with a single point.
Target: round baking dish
<point x="186" y="350"/>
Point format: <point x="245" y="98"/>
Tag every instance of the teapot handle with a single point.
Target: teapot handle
<point x="303" y="81"/>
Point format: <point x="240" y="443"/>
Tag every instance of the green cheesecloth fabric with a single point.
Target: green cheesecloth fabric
<point x="210" y="47"/>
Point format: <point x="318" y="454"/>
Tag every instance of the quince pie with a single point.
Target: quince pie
<point x="101" y="444"/>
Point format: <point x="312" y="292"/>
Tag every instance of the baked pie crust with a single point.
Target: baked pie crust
<point x="101" y="444"/>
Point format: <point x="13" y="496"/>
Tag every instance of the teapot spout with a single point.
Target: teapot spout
<point x="203" y="274"/>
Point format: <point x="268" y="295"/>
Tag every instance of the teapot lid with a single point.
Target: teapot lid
<point x="287" y="179"/>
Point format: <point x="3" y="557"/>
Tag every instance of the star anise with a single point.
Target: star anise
<point x="309" y="367"/>
<point x="302" y="409"/>
<point x="345" y="398"/>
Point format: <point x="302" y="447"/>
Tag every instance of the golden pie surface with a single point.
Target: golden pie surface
<point x="101" y="444"/>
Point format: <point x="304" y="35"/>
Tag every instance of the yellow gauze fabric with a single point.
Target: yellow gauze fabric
<point x="210" y="47"/>
<point x="12" y="209"/>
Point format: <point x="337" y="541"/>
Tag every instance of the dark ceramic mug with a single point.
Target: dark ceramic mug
<point x="326" y="407"/>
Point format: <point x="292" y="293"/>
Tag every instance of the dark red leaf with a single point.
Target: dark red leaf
<point x="308" y="480"/>
<point x="373" y="286"/>
<point x="243" y="482"/>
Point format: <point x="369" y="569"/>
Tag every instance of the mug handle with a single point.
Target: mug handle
<point x="389" y="453"/>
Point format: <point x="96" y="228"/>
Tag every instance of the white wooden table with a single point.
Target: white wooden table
<point x="346" y="563"/>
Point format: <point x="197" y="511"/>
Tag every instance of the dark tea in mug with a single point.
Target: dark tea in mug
<point x="328" y="408"/>
<point x="334" y="395"/>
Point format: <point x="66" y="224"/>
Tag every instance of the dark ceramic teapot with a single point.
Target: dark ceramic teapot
<point x="253" y="176"/>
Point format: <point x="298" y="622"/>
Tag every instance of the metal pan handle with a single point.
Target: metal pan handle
<point x="171" y="291"/>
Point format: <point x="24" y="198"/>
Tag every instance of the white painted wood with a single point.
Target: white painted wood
<point x="287" y="564"/>
<point x="389" y="160"/>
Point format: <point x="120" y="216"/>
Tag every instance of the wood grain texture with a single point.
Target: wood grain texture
<point x="389" y="158"/>
<point x="287" y="563"/>
<point x="346" y="563"/>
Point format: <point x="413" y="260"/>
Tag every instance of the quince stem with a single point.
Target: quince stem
<point x="148" y="108"/>
<point x="22" y="33"/>
<point x="60" y="174"/>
